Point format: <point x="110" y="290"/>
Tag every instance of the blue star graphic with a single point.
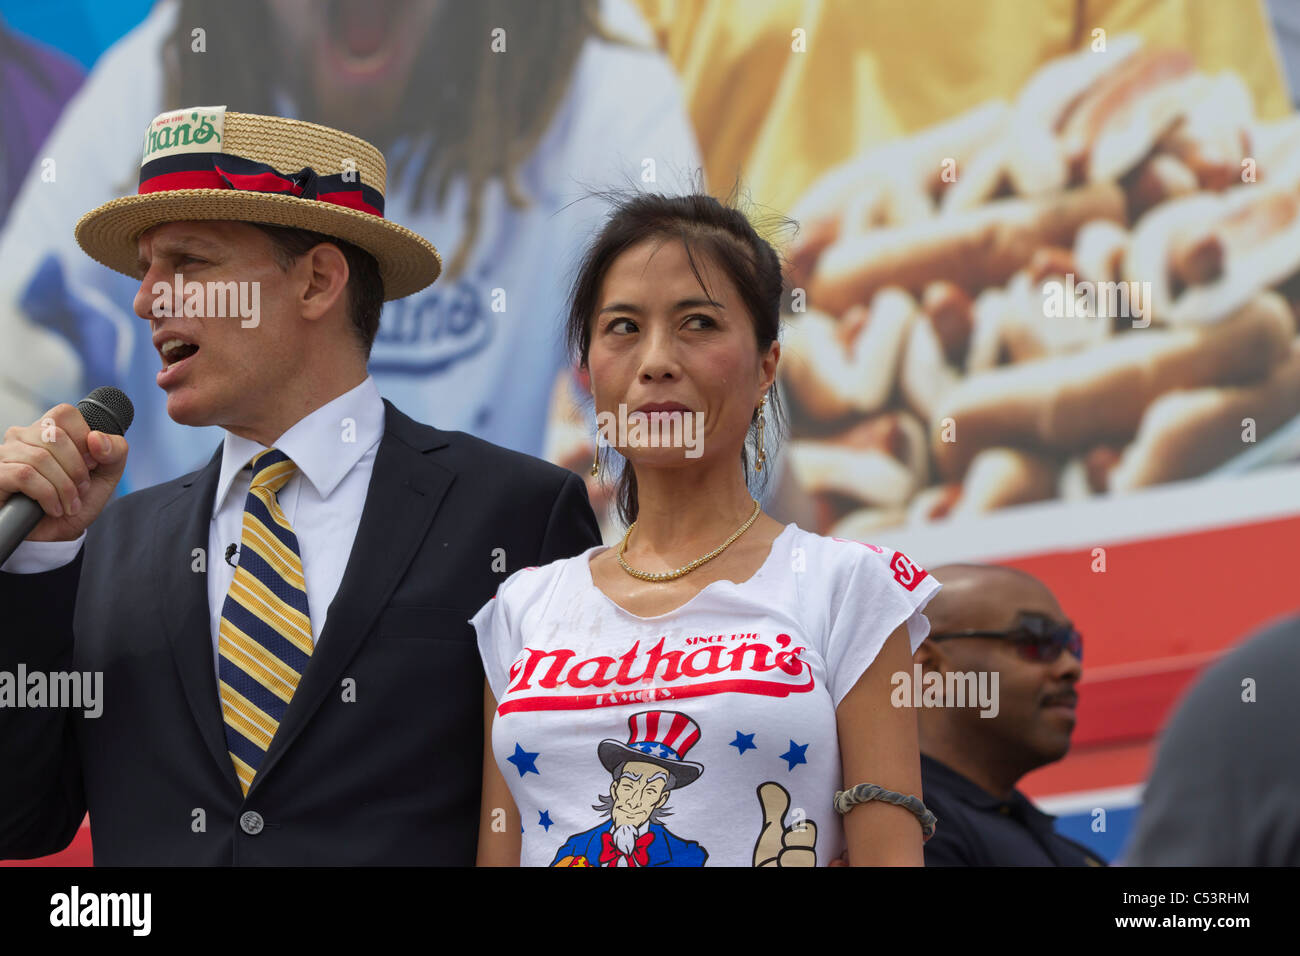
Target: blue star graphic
<point x="544" y="820"/>
<point x="743" y="742"/>
<point x="795" y="755"/>
<point x="523" y="761"/>
<point x="665" y="752"/>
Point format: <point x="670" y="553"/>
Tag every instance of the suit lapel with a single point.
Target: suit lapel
<point x="183" y="525"/>
<point x="406" y="488"/>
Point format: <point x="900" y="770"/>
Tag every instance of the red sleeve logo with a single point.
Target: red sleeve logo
<point x="906" y="573"/>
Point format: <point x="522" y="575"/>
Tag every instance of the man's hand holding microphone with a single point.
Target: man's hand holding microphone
<point x="57" y="474"/>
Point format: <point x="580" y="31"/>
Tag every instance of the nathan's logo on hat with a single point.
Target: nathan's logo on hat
<point x="194" y="130"/>
<point x="184" y="150"/>
<point x="209" y="163"/>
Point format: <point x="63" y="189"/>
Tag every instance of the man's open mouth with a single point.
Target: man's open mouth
<point x="176" y="350"/>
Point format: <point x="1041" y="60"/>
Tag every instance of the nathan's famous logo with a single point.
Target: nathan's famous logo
<point x="556" y="679"/>
<point x="906" y="572"/>
<point x="429" y="333"/>
<point x="184" y="131"/>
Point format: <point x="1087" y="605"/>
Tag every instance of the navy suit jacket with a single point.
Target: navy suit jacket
<point x="392" y="777"/>
<point x="665" y="849"/>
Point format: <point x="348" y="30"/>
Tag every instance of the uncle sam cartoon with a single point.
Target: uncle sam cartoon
<point x="644" y="772"/>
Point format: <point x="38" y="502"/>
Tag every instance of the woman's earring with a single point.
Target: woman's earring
<point x="762" y="455"/>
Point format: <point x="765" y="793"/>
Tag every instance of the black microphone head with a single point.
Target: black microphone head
<point x="108" y="410"/>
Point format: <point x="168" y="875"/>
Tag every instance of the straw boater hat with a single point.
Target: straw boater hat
<point x="207" y="163"/>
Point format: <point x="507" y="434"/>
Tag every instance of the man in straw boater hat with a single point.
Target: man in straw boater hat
<point x="289" y="674"/>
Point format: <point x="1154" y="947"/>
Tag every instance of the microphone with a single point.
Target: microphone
<point x="231" y="551"/>
<point x="106" y="409"/>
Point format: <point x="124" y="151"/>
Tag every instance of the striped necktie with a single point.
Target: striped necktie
<point x="265" y="627"/>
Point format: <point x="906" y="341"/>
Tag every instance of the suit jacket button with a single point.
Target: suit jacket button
<point x="251" y="823"/>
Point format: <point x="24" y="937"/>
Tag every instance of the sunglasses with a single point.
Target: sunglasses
<point x="1035" y="637"/>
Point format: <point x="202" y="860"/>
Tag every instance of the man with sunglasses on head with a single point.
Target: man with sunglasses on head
<point x="993" y="619"/>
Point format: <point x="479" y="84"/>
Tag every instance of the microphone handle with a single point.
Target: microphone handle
<point x="105" y="409"/>
<point x="18" y="517"/>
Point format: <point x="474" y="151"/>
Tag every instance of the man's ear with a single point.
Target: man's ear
<point x="327" y="280"/>
<point x="662" y="800"/>
<point x="928" y="656"/>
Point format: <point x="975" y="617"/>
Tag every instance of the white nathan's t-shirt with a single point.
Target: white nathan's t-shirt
<point x="704" y="735"/>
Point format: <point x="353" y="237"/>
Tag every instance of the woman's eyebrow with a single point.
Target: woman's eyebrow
<point x="621" y="307"/>
<point x="693" y="303"/>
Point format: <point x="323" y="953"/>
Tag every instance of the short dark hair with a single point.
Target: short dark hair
<point x="702" y="224"/>
<point x="365" y="286"/>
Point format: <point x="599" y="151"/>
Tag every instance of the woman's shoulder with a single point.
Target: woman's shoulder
<point x="529" y="584"/>
<point x="834" y="551"/>
<point x="836" y="560"/>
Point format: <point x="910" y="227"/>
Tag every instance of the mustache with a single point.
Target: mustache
<point x="1069" y="698"/>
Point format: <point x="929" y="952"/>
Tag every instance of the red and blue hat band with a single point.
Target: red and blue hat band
<point x="224" y="171"/>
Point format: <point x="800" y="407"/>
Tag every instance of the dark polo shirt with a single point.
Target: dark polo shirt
<point x="975" y="828"/>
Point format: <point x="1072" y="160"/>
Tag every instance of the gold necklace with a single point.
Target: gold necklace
<point x="670" y="575"/>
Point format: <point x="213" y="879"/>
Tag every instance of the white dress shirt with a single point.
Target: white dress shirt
<point x="334" y="448"/>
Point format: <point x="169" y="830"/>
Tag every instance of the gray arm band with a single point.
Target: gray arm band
<point x="846" y="800"/>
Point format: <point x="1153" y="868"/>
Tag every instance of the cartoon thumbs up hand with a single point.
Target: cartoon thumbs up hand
<point x="777" y="844"/>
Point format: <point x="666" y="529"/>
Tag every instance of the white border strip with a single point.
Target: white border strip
<point x="1047" y="526"/>
<point x="1111" y="798"/>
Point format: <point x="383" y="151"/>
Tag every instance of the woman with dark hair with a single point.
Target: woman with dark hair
<point x="714" y="648"/>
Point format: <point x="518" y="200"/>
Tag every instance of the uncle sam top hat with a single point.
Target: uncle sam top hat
<point x="206" y="163"/>
<point x="660" y="737"/>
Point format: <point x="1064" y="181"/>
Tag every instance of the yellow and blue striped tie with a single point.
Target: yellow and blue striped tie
<point x="265" y="637"/>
